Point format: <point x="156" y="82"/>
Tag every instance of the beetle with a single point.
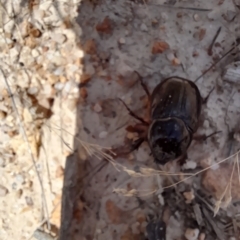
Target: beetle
<point x="173" y="117"/>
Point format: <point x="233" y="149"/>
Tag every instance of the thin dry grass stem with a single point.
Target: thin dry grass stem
<point x="133" y="192"/>
<point x="43" y="221"/>
<point x="238" y="170"/>
<point x="12" y="19"/>
<point x="151" y="172"/>
<point x="92" y="149"/>
<point x="28" y="146"/>
<point x="228" y="199"/>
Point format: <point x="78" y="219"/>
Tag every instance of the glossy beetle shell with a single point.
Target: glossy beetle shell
<point x="175" y="110"/>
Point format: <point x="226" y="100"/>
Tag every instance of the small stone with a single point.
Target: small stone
<point x="201" y="33"/>
<point x="176" y="62"/>
<point x="59" y="86"/>
<point x="202" y="236"/>
<point x="105" y="26"/>
<point x="2" y="162"/>
<point x="103" y="134"/>
<point x="2" y="115"/>
<point x="19" y="179"/>
<point x="33" y="91"/>
<point x="135" y="228"/>
<point x="170" y="56"/>
<point x="29" y="201"/>
<point x="195" y="53"/>
<point x="34" y="32"/>
<point x="190" y="165"/>
<point x="30" y="42"/>
<point x="52" y="79"/>
<point x="58" y="60"/>
<point x="179" y="15"/>
<point x="189" y="196"/>
<point x="27" y="116"/>
<point x="132" y="136"/>
<point x="19" y="193"/>
<point x="83" y="92"/>
<point x="97" y="108"/>
<point x="24" y="80"/>
<point x="164" y="16"/>
<point x="191" y="234"/>
<point x="89" y="69"/>
<point x="9" y="119"/>
<point x="206" y="162"/>
<point x="144" y="27"/>
<point x="161" y="199"/>
<point x="59" y="38"/>
<point x="196" y="17"/>
<point x="63" y="79"/>
<point x="35" y="53"/>
<point x="154" y="22"/>
<point x="90" y="47"/>
<point x="3" y="191"/>
<point x="122" y="41"/>
<point x="59" y="172"/>
<point x="85" y="78"/>
<point x="159" y="47"/>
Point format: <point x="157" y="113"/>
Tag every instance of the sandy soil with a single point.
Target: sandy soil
<point x="64" y="64"/>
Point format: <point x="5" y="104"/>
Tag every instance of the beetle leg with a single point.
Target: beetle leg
<point x="144" y="86"/>
<point x="136" y="144"/>
<point x="133" y="114"/>
<point x="204" y="137"/>
<point x="204" y="100"/>
<point x="182" y="159"/>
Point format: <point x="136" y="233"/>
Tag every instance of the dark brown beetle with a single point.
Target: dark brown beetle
<point x="174" y="111"/>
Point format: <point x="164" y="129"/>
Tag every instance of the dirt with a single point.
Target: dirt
<point x="64" y="67"/>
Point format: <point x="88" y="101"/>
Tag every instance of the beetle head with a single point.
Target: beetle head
<point x="168" y="139"/>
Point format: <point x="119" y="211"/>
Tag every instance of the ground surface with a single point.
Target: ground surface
<point x="64" y="64"/>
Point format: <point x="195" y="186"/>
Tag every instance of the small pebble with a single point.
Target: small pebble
<point x="19" y="193"/>
<point x="2" y="115"/>
<point x="19" y="179"/>
<point x="9" y="119"/>
<point x="206" y="162"/>
<point x="176" y="62"/>
<point x="202" y="236"/>
<point x="97" y="108"/>
<point x="3" y="191"/>
<point x="90" y="69"/>
<point x="2" y="162"/>
<point x="35" y="53"/>
<point x="190" y="165"/>
<point x="161" y="199"/>
<point x="103" y="134"/>
<point x="33" y="90"/>
<point x="59" y="38"/>
<point x="196" y="17"/>
<point x="122" y="41"/>
<point x="191" y="234"/>
<point x="135" y="228"/>
<point x="164" y="16"/>
<point x="29" y="201"/>
<point x="170" y="56"/>
<point x="144" y="27"/>
<point x="59" y="86"/>
<point x="189" y="196"/>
